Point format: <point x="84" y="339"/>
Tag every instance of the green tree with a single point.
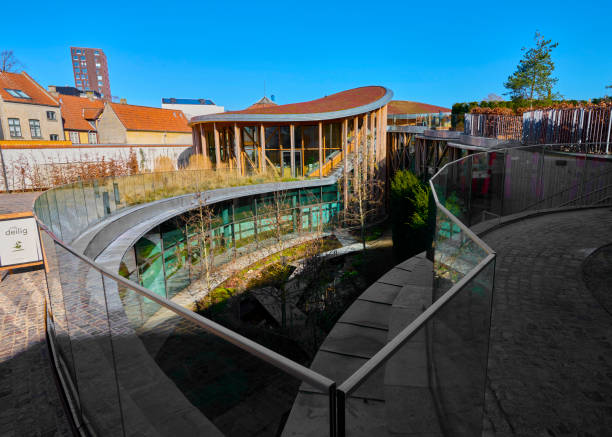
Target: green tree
<point x="533" y="75"/>
<point x="412" y="215"/>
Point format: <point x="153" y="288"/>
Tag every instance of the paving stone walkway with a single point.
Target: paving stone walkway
<point x="550" y="362"/>
<point x="29" y="403"/>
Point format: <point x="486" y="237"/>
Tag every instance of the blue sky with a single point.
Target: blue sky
<point x="434" y="52"/>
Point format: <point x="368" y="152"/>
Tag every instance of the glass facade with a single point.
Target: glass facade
<point x="172" y="255"/>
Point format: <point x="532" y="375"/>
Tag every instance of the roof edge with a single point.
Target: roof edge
<point x="317" y="116"/>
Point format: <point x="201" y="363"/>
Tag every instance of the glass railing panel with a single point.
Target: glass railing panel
<point x="487" y="187"/>
<point x="54" y="221"/>
<point x="434" y="383"/>
<point x="597" y="185"/>
<point x="81" y="222"/>
<point x="458" y="189"/>
<point x="456" y="253"/>
<point x="90" y="202"/>
<point x="92" y="350"/>
<point x="192" y="382"/>
<point x="67" y="211"/>
<point x="523" y="187"/>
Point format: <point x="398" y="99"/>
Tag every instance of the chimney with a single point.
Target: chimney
<point x="90" y="95"/>
<point x="53" y="90"/>
<point x="123" y="101"/>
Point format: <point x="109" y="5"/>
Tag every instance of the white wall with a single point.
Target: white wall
<point x="194" y="110"/>
<point x="29" y="158"/>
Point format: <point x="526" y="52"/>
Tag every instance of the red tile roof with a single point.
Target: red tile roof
<point x="22" y="81"/>
<point x="335" y="102"/>
<point x="145" y="118"/>
<point x="407" y="107"/>
<point x="77" y="110"/>
<point x="264" y="102"/>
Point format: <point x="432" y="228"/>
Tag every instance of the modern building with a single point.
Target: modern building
<point x="407" y="113"/>
<point x="27" y="110"/>
<point x="72" y="91"/>
<point x="296" y="139"/>
<point x="90" y="69"/>
<point x="192" y="107"/>
<point x="120" y="123"/>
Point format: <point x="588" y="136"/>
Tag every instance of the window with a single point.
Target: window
<point x="51" y="115"/>
<point x="100" y="83"/>
<point x="97" y="53"/>
<point x="54" y="137"/>
<point x="75" y="57"/>
<point x="84" y="70"/>
<point x="97" y="65"/>
<point x="74" y="137"/>
<point x="78" y="52"/>
<point x="78" y="82"/>
<point x="17" y="93"/>
<point x="77" y="70"/>
<point x="14" y="127"/>
<point x="93" y="138"/>
<point x="76" y="64"/>
<point x="99" y="77"/>
<point x="35" y="129"/>
<point x="82" y="58"/>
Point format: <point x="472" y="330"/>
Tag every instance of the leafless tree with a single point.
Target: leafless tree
<point x="8" y="61"/>
<point x="200" y="240"/>
<point x="366" y="197"/>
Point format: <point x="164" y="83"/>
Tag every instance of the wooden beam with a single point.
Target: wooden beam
<point x="204" y="142"/>
<point x="217" y="148"/>
<point x="292" y="140"/>
<point x="237" y="150"/>
<point x="345" y="154"/>
<point x="320" y="149"/>
<point x="262" y="136"/>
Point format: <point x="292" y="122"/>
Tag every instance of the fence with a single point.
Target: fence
<point x="503" y="127"/>
<point x="117" y="372"/>
<point x="569" y="125"/>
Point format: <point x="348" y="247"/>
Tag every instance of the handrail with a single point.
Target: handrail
<point x="297" y="370"/>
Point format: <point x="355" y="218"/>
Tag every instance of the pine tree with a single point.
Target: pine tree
<point x="533" y="75"/>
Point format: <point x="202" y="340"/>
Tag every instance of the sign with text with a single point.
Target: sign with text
<point x="19" y="241"/>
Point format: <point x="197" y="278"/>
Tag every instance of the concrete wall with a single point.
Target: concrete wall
<point x="24" y="112"/>
<point x="194" y="110"/>
<point x="31" y="157"/>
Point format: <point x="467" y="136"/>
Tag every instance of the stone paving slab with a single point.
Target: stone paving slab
<point x="550" y="359"/>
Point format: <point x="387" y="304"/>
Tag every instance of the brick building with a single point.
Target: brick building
<point x="90" y="70"/>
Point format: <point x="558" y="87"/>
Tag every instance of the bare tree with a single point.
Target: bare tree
<point x="8" y="61"/>
<point x="201" y="244"/>
<point x="366" y="197"/>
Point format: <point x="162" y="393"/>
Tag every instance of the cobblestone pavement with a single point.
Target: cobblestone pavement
<point x="29" y="403"/>
<point x="550" y="362"/>
<point x="16" y="202"/>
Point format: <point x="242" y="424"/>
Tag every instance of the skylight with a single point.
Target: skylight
<point x="17" y="93"/>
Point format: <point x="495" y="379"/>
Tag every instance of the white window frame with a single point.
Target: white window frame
<point x="14" y="127"/>
<point x="92" y="137"/>
<point x="74" y="137"/>
<point x="35" y="131"/>
<point x="51" y="115"/>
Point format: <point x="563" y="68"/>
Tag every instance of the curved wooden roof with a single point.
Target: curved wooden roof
<point x="339" y="105"/>
<point x="408" y="107"/>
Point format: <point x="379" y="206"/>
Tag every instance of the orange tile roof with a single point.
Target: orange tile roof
<point x="145" y="118"/>
<point x="335" y="102"/>
<point x="407" y="107"/>
<point x="22" y="81"/>
<point x="77" y="110"/>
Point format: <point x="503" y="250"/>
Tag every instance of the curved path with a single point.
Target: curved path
<point x="550" y="362"/>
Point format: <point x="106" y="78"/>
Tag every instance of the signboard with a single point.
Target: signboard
<point x="19" y="241"/>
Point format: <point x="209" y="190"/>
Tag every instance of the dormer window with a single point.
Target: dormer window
<point x="17" y="93"/>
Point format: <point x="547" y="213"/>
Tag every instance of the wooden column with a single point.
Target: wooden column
<point x="217" y="148"/>
<point x="344" y="156"/>
<point x="292" y="140"/>
<point x="320" y="149"/>
<point x="371" y="148"/>
<point x="262" y="135"/>
<point x="195" y="138"/>
<point x="203" y="142"/>
<point x="237" y="151"/>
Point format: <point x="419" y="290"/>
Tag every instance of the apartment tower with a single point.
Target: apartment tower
<point x="90" y="70"/>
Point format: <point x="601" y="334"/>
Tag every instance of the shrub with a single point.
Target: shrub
<point x="412" y="215"/>
<point x="163" y="163"/>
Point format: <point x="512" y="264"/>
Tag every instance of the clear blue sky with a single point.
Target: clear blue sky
<point x="434" y="52"/>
